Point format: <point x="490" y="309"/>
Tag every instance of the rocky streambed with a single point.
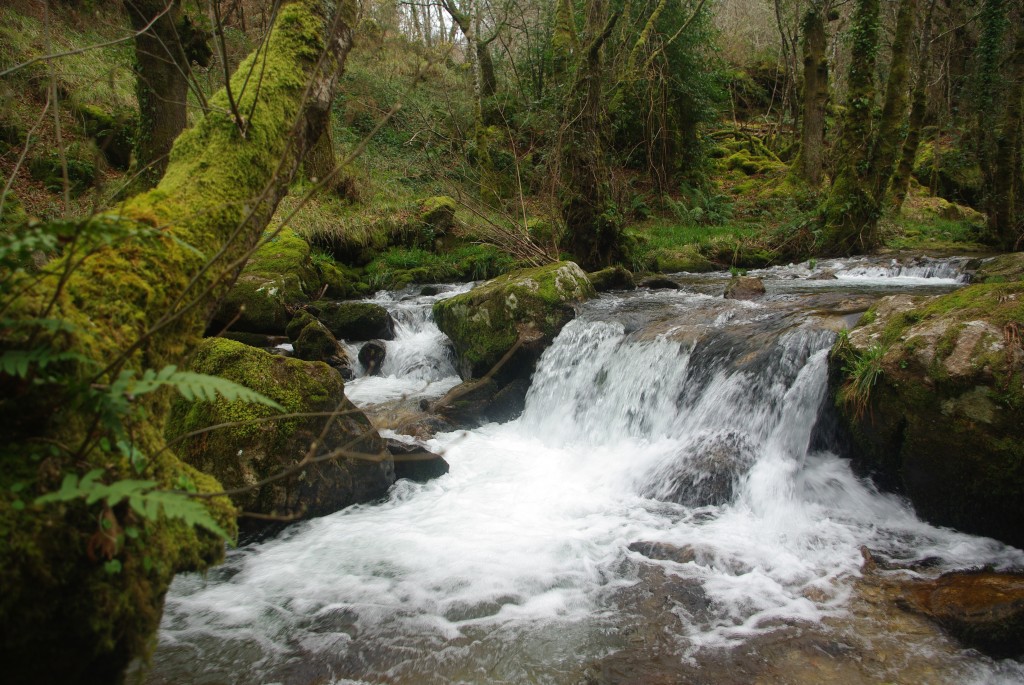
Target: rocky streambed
<point x="675" y="503"/>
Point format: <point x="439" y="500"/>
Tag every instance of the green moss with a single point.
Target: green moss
<point x="54" y="594"/>
<point x="255" y="445"/>
<point x="485" y="323"/>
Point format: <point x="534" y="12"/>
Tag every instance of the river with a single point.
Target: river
<point x="670" y="507"/>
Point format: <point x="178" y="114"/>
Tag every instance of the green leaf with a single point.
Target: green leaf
<point x="112" y="567"/>
<point x="190" y="385"/>
<point x="17" y="505"/>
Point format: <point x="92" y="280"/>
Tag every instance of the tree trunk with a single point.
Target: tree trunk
<point x="161" y="85"/>
<point x="867" y="153"/>
<point x="888" y="141"/>
<point x="585" y="180"/>
<point x="815" y="96"/>
<point x="140" y="302"/>
<point x="918" y="112"/>
<point x="320" y="159"/>
<point x="1005" y="215"/>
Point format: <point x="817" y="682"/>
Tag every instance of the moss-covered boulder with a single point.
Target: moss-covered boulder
<point x="256" y="446"/>
<point x="355" y="320"/>
<point x="526" y="307"/>
<point x="612" y="278"/>
<point x="279" y="277"/>
<point x="951" y="171"/>
<point x="314" y="343"/>
<point x="436" y="222"/>
<point x="932" y="390"/>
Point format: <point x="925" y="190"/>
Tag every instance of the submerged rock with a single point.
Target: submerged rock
<point x="706" y="472"/>
<point x="413" y="460"/>
<point x="255" y="445"/>
<point x="984" y="610"/>
<point x="744" y="288"/>
<point x="932" y="392"/>
<point x="659" y="283"/>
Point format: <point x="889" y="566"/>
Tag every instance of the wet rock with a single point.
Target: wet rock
<point x="511" y="319"/>
<point x="984" y="610"/>
<point x="414" y="461"/>
<point x="260" y="340"/>
<point x="371" y="356"/>
<point x="659" y="283"/>
<point x="660" y="551"/>
<point x="474" y="403"/>
<point x="823" y="275"/>
<point x="255" y="446"/>
<point x="316" y="344"/>
<point x="355" y="320"/>
<point x="942" y="418"/>
<point x="706" y="472"/>
<point x="744" y="288"/>
<point x="612" y="278"/>
<point x="429" y="290"/>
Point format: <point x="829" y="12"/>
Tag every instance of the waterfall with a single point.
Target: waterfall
<point x="666" y="443"/>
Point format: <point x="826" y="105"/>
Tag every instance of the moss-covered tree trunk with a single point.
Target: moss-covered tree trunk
<point x="134" y="303"/>
<point x="918" y="114"/>
<point x="320" y="159"/>
<point x="585" y="181"/>
<point x="815" y="96"/>
<point x="161" y="84"/>
<point x="868" y="146"/>
<point x="1006" y="195"/>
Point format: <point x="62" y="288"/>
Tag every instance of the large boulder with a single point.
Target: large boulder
<point x="499" y="330"/>
<point x="529" y="305"/>
<point x="279" y="277"/>
<point x="255" y="446"/>
<point x="932" y="392"/>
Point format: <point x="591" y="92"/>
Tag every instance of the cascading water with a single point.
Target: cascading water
<point x="418" y="363"/>
<point x="659" y="497"/>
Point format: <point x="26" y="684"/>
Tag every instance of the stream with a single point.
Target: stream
<point x="670" y="507"/>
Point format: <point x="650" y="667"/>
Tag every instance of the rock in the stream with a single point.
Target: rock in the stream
<point x="529" y="307"/>
<point x="744" y="288"/>
<point x="612" y="278"/>
<point x="315" y="343"/>
<point x="413" y="460"/>
<point x="659" y="283"/>
<point x="474" y="403"/>
<point x="983" y="609"/>
<point x="932" y="392"/>
<point x="706" y="472"/>
<point x="372" y="355"/>
<point x="355" y="320"/>
<point x="256" y="445"/>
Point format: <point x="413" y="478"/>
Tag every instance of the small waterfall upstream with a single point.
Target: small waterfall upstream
<point x="669" y="492"/>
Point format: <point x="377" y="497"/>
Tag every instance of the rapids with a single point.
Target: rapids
<point x="670" y="507"/>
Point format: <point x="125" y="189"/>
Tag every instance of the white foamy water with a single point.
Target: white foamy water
<point x="418" y="363"/>
<point x="512" y="568"/>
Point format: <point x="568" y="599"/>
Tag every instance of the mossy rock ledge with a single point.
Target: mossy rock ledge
<point x="944" y="421"/>
<point x="517" y="316"/>
<point x="253" y="449"/>
<point x="279" y="277"/>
